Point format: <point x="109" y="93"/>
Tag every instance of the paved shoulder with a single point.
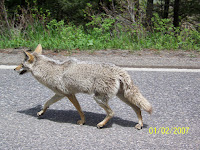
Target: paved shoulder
<point x="124" y="58"/>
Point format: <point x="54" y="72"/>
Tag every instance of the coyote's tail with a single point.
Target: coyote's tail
<point x="132" y="94"/>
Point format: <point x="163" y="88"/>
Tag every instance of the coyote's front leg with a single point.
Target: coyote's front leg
<point x="54" y="99"/>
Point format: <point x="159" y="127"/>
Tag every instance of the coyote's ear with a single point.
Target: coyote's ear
<point x="38" y="49"/>
<point x="28" y="57"/>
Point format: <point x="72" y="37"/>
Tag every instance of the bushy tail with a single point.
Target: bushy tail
<point x="132" y="94"/>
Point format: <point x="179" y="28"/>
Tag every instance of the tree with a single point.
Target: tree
<point x="166" y="9"/>
<point x="137" y="5"/>
<point x="3" y="13"/>
<point x="149" y="13"/>
<point x="176" y="13"/>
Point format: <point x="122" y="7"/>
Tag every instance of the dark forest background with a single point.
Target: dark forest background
<point x="101" y="24"/>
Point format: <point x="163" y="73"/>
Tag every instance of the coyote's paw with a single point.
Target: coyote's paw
<point x="138" y="126"/>
<point x="81" y="122"/>
<point x="40" y="113"/>
<point x="100" y="125"/>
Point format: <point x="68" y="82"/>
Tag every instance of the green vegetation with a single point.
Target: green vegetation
<point x="100" y="31"/>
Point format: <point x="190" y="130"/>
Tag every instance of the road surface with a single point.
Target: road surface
<point x="174" y="124"/>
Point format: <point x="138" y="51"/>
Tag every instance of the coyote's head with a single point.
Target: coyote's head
<point x="29" y="59"/>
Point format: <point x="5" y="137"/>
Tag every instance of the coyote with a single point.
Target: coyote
<point x="72" y="76"/>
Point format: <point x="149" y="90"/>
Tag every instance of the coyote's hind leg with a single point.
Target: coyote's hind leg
<point x="54" y="99"/>
<point x="103" y="102"/>
<point x="135" y="108"/>
<point x="139" y="115"/>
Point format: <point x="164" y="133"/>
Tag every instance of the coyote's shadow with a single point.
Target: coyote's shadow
<point x="72" y="116"/>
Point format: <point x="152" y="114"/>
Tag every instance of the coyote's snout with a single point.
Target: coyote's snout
<point x="20" y="69"/>
<point x="70" y="77"/>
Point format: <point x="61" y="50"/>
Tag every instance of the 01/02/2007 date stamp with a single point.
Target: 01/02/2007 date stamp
<point x="169" y="130"/>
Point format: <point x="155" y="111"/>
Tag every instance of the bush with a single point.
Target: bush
<point x="58" y="36"/>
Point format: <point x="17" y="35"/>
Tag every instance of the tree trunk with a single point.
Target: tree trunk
<point x="149" y="13"/>
<point x="166" y="9"/>
<point x="176" y="13"/>
<point x="131" y="9"/>
<point x="3" y="12"/>
<point x="137" y="6"/>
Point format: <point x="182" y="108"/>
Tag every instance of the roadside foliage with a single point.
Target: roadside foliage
<point x="94" y="25"/>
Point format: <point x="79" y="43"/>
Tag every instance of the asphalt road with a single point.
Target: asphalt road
<point x="174" y="124"/>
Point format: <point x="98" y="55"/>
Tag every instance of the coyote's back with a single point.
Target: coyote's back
<point x="72" y="76"/>
<point x="89" y="77"/>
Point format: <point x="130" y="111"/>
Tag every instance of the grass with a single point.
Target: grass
<point x="57" y="36"/>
